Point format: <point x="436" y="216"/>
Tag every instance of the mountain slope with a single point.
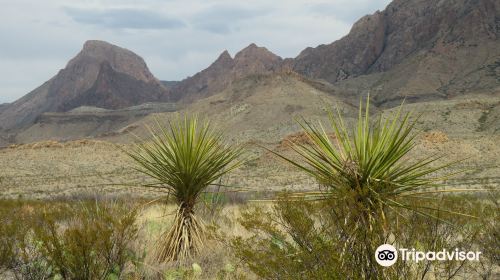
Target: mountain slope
<point x="115" y="90"/>
<point x="220" y="74"/>
<point x="260" y="107"/>
<point x="422" y="49"/>
<point x="380" y="41"/>
<point x="97" y="76"/>
<point x="417" y="50"/>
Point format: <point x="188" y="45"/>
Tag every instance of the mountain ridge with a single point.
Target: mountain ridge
<point x="225" y="69"/>
<point x="414" y="50"/>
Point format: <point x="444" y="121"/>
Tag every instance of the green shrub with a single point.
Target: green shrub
<point x="15" y="219"/>
<point x="77" y="240"/>
<point x="87" y="240"/>
<point x="286" y="244"/>
<point x="299" y="239"/>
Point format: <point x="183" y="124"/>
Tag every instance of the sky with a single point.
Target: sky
<point x="176" y="38"/>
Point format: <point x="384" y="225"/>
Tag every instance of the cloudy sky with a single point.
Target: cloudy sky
<point x="177" y="38"/>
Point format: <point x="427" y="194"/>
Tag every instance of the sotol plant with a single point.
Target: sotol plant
<point x="185" y="158"/>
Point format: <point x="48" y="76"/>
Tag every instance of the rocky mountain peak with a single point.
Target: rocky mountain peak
<point x="255" y="52"/>
<point x="94" y="52"/>
<point x="95" y="76"/>
<point x="224" y="70"/>
<point x="378" y="42"/>
<point x="223" y="63"/>
<point x="255" y="60"/>
<point x="224" y="56"/>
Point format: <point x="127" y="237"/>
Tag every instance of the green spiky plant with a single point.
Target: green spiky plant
<point x="368" y="180"/>
<point x="184" y="158"/>
<point x="370" y="166"/>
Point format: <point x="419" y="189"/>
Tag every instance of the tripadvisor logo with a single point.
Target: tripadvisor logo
<point x="387" y="255"/>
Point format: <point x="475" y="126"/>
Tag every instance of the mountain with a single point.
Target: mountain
<point x="101" y="75"/>
<point x="260" y="107"/>
<point x="221" y="73"/>
<point x="3" y="106"/>
<point x="169" y="84"/>
<point x="418" y="49"/>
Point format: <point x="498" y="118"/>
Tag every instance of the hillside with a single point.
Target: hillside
<point x="421" y="49"/>
<point x="101" y="75"/>
<point x="88" y="122"/>
<point x="221" y="73"/>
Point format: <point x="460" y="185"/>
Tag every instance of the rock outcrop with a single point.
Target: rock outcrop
<point x="249" y="61"/>
<point x="102" y="75"/>
<point x="378" y="42"/>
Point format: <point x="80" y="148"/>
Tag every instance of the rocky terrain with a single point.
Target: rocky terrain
<point x="251" y="60"/>
<point x="3" y="106"/>
<point x="422" y="49"/>
<point x="55" y="169"/>
<point x="89" y="122"/>
<point x="419" y="50"/>
<point x="101" y="75"/>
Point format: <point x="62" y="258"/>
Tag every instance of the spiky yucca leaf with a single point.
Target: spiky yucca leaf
<point x="184" y="158"/>
<point x="369" y="165"/>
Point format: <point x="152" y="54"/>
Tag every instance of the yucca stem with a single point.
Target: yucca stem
<point x="184" y="239"/>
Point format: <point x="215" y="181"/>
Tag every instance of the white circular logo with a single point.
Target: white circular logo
<point x="386" y="255"/>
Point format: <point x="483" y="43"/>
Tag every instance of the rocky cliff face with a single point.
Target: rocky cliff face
<point x="225" y="70"/>
<point x="3" y="106"/>
<point x="419" y="49"/>
<point x="114" y="90"/>
<point x="350" y="56"/>
<point x="380" y="41"/>
<point x="101" y="75"/>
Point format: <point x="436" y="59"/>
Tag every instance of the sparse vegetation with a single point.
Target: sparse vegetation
<point x="318" y="233"/>
<point x="304" y="239"/>
<point x="370" y="194"/>
<point x="482" y="120"/>
<point x="67" y="240"/>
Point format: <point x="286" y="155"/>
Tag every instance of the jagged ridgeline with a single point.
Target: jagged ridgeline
<point x="418" y="50"/>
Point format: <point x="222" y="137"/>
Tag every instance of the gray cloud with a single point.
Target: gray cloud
<point x="225" y="19"/>
<point x="176" y="38"/>
<point x="123" y="18"/>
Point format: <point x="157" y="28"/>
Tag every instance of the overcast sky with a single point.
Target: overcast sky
<point x="176" y="38"/>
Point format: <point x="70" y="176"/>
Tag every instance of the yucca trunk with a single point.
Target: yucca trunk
<point x="184" y="239"/>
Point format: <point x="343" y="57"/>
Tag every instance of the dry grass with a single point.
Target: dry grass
<point x="215" y="259"/>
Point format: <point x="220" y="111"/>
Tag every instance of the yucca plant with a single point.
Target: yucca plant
<point x="184" y="158"/>
<point x="369" y="166"/>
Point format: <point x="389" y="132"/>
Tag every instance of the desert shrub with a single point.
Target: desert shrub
<point x="77" y="240"/>
<point x="285" y="244"/>
<point x="87" y="240"/>
<point x="299" y="239"/>
<point x="14" y="229"/>
<point x="211" y="203"/>
<point x="488" y="236"/>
